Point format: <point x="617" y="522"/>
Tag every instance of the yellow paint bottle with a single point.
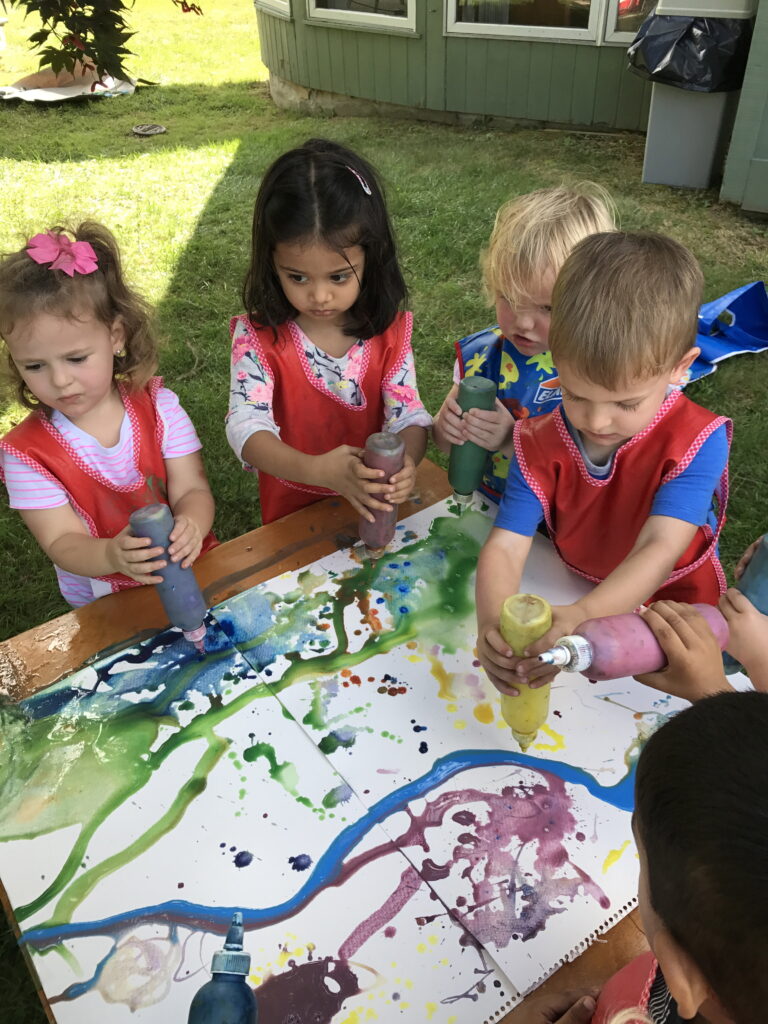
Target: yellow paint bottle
<point x="525" y="618"/>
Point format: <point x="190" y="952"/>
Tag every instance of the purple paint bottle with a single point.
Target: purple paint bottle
<point x="183" y="602"/>
<point x="615" y="646"/>
<point x="382" y="451"/>
<point x="226" y="998"/>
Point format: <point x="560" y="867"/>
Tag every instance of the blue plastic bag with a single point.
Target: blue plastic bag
<point x="734" y="323"/>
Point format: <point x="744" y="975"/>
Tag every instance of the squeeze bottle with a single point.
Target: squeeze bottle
<point x="754" y="586"/>
<point x="620" y="645"/>
<point x="184" y="604"/>
<point x="382" y="451"/>
<point x="227" y="998"/>
<point x="525" y="618"/>
<point x="467" y="461"/>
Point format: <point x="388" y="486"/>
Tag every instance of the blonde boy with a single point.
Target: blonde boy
<point x="531" y="239"/>
<point x="625" y="472"/>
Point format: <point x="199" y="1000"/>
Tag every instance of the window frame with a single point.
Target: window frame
<point x="592" y="34"/>
<point x="363" y="19"/>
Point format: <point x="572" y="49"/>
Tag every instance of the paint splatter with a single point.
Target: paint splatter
<point x="243" y="858"/>
<point x="311" y="993"/>
<point x="301" y="862"/>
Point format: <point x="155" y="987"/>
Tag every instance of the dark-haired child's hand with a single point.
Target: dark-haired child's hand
<point x="402" y="483"/>
<point x="343" y="471"/>
<point x="135" y="557"/>
<point x="695" y="663"/>
<point x="186" y="541"/>
<point x="559" y="1008"/>
<point x="748" y="630"/>
<point x="746" y="558"/>
<point x="489" y="428"/>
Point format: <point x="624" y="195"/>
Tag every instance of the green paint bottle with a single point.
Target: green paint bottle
<point x="467" y="461"/>
<point x="227" y="998"/>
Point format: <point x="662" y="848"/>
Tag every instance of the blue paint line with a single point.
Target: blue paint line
<point x="329" y="865"/>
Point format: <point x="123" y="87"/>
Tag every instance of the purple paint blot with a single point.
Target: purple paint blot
<point x="303" y="995"/>
<point x="390" y="932"/>
<point x="423" y="748"/>
<point x="301" y="862"/>
<point x="243" y="858"/>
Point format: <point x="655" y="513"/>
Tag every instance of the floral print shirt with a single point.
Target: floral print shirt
<point x="251" y="388"/>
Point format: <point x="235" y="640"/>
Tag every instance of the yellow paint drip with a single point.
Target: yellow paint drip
<point x="431" y="1010"/>
<point x="558" y="740"/>
<point x="459" y="724"/>
<point x="445" y="679"/>
<point x="614" y="855"/>
<point x="483" y="712"/>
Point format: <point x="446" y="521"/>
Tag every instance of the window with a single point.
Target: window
<point x="625" y="17"/>
<point x="374" y="14"/>
<point x="533" y="19"/>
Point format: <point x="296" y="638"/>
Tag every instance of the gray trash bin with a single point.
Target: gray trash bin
<point x="688" y="132"/>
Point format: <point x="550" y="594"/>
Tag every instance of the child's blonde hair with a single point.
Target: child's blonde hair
<point x="625" y="307"/>
<point x="28" y="288"/>
<point x="535" y="233"/>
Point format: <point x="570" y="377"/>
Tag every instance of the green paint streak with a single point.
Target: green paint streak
<point x="284" y="773"/>
<point x="191" y="789"/>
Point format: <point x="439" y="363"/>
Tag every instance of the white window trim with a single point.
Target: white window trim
<point x="362" y="19"/>
<point x="591" y="34"/>
<point x="281" y="8"/>
<point x="611" y="35"/>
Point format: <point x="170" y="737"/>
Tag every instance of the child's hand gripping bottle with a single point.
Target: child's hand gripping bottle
<point x="525" y="618"/>
<point x="615" y="646"/>
<point x="181" y="596"/>
<point x="467" y="461"/>
<point x="382" y="451"/>
<point x="754" y="586"/>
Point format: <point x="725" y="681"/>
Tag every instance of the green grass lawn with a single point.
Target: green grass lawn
<point x="181" y="206"/>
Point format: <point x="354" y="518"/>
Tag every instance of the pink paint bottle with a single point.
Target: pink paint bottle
<point x="382" y="451"/>
<point x="620" y="645"/>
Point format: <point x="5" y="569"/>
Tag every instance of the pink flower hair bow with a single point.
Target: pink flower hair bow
<point x="62" y="254"/>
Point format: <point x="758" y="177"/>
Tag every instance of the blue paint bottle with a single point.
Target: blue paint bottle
<point x="183" y="602"/>
<point x="227" y="998"/>
<point x="754" y="586"/>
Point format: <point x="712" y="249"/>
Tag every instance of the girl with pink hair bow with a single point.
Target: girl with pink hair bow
<point x="103" y="435"/>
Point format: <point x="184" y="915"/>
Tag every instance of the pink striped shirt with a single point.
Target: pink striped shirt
<point x="28" y="489"/>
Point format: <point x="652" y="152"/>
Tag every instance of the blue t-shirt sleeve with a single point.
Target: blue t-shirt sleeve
<point x="519" y="510"/>
<point x="689" y="495"/>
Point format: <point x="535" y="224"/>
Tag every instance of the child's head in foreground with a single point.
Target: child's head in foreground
<point x="701" y="824"/>
<point x="531" y="239"/>
<point x="64" y="285"/>
<point x="624" y="316"/>
<point x="323" y="195"/>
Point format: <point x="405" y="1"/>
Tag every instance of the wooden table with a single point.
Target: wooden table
<point x="40" y="656"/>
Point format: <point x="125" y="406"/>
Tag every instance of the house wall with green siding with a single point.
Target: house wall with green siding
<point x="558" y="83"/>
<point x="745" y="180"/>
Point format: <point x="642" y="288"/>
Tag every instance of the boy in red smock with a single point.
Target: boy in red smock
<point x="629" y="475"/>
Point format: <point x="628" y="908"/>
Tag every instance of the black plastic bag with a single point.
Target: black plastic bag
<point x="700" y="54"/>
